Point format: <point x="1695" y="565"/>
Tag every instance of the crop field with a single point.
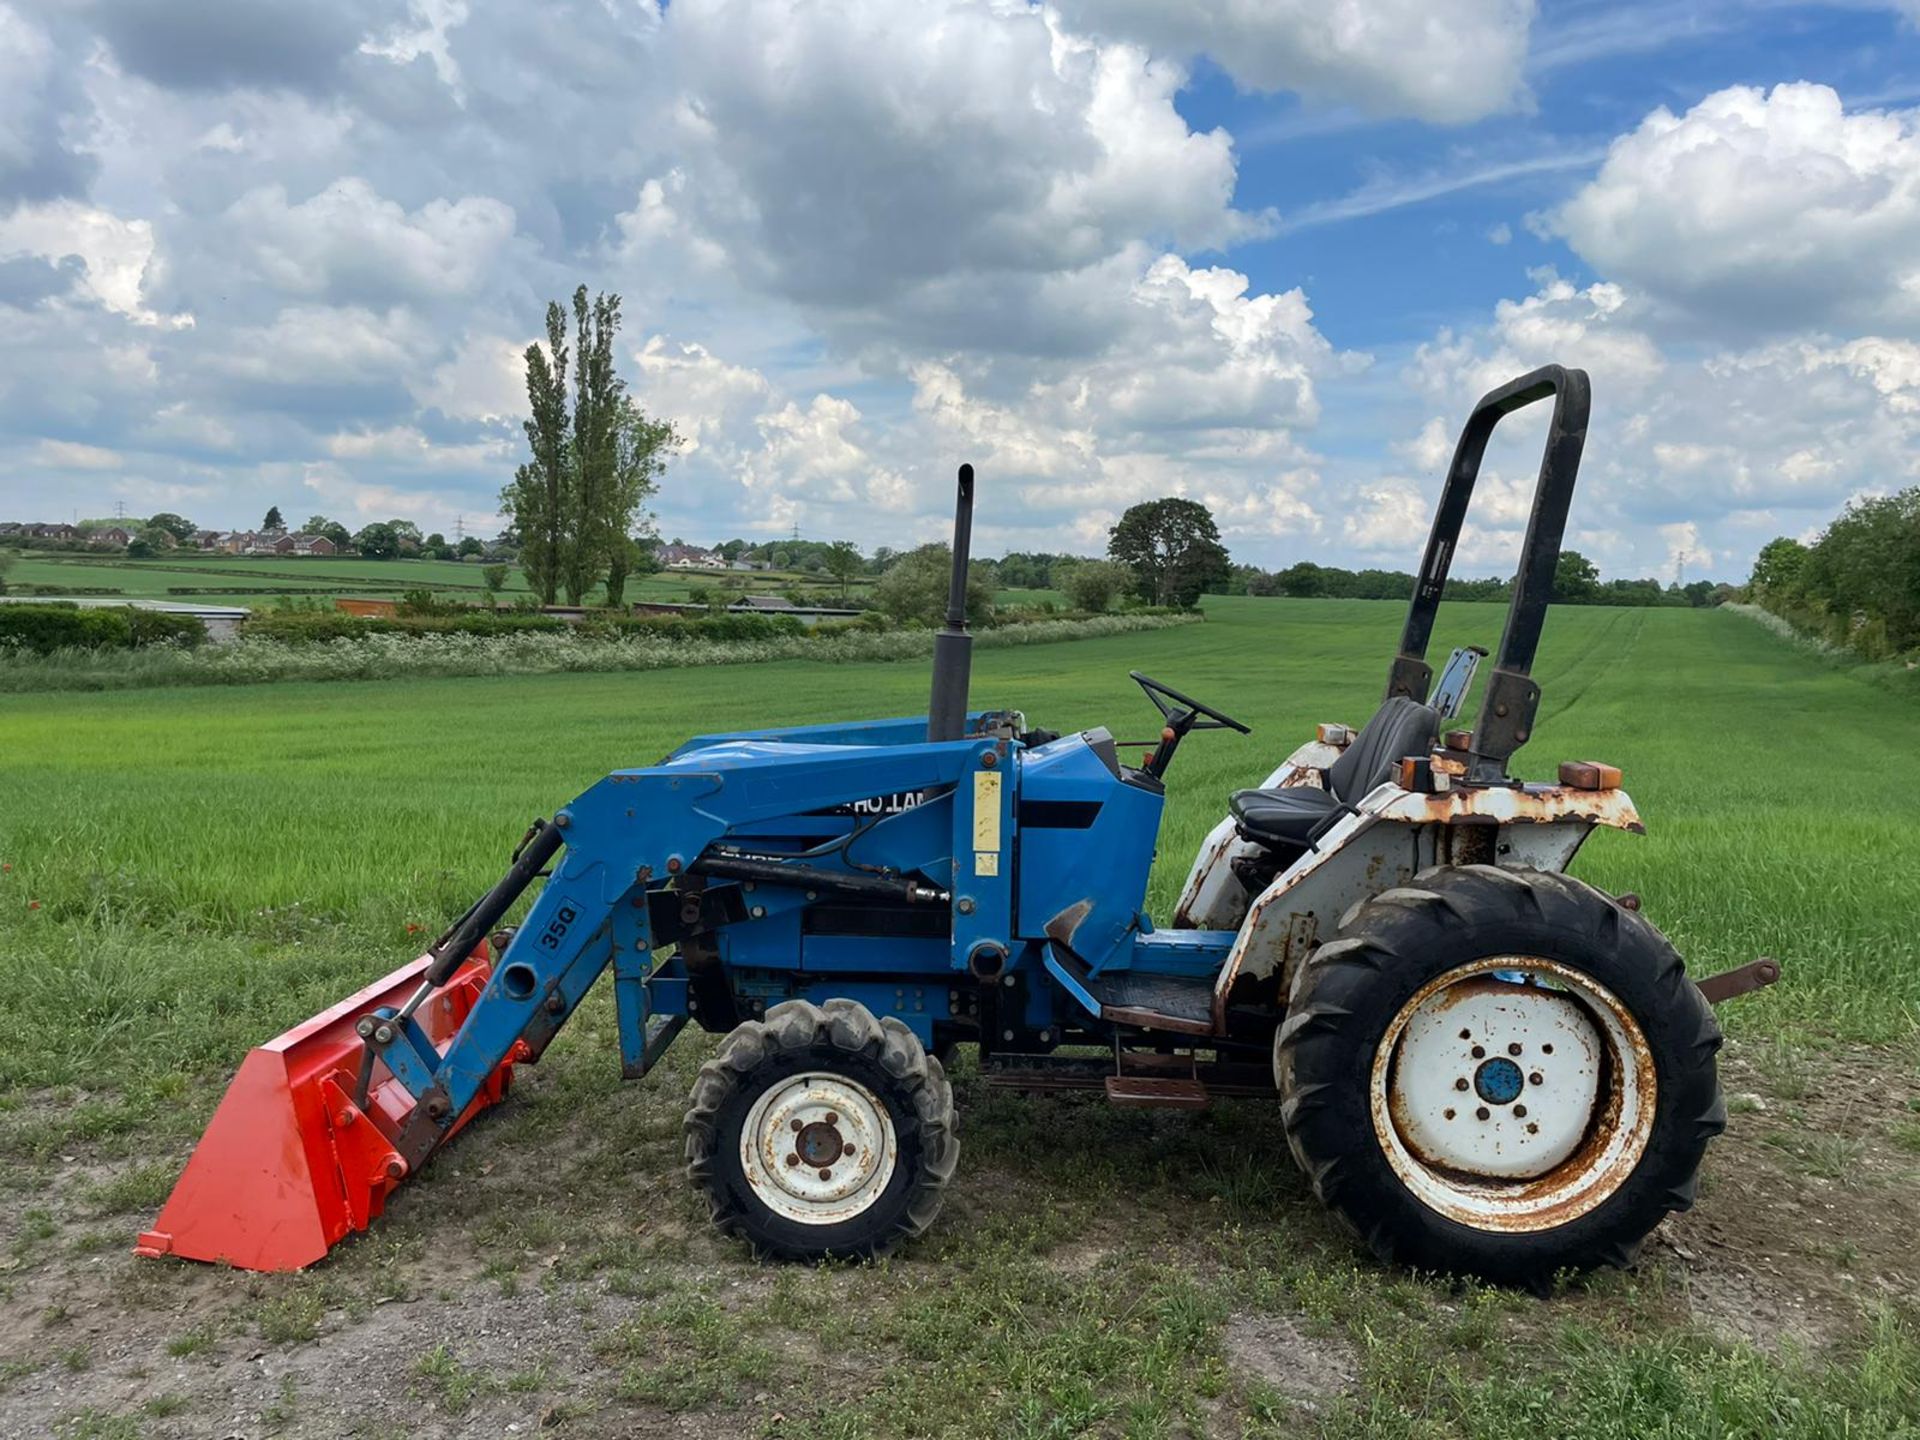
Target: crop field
<point x="265" y="580"/>
<point x="187" y="872"/>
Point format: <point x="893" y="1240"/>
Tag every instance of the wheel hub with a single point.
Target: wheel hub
<point x="818" y="1148"/>
<point x="1499" y="1081"/>
<point x="1513" y="1093"/>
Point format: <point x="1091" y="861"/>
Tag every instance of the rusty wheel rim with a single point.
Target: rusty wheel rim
<point x="818" y="1148"/>
<point x="1513" y="1094"/>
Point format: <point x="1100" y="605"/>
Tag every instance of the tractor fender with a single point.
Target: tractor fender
<point x="1393" y="835"/>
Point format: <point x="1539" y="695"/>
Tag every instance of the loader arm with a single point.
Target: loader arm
<point x="323" y="1123"/>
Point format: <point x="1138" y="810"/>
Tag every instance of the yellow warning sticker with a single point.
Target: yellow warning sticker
<point x="986" y="822"/>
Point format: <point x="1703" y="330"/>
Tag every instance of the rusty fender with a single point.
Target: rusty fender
<point x="1516" y="805"/>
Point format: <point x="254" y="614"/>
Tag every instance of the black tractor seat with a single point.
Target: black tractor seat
<point x="1286" y="820"/>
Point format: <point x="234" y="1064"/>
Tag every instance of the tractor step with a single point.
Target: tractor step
<point x="1143" y="1092"/>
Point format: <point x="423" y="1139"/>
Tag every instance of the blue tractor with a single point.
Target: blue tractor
<point x="1483" y="1064"/>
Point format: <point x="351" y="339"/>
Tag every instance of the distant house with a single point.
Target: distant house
<point x="49" y="532"/>
<point x="688" y="557"/>
<point x="312" y="545"/>
<point x="205" y="540"/>
<point x="10" y="527"/>
<point x="112" y="535"/>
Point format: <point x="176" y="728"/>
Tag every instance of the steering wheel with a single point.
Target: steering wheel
<point x="1160" y="694"/>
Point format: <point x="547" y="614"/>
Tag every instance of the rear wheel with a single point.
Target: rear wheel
<point x="822" y="1132"/>
<point x="1500" y="1072"/>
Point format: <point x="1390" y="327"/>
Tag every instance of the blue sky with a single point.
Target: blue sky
<point x="1264" y="253"/>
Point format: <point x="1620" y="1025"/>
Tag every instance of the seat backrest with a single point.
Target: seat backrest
<point x="1399" y="728"/>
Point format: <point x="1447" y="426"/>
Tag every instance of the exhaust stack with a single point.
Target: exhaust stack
<point x="953" y="646"/>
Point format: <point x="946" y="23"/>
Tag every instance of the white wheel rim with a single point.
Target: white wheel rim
<point x="818" y="1148"/>
<point x="1513" y="1094"/>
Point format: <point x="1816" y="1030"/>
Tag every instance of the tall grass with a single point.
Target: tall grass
<point x="255" y="660"/>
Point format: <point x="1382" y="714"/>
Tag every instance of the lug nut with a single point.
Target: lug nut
<point x="1479" y="1052"/>
<point x="826" y="1174"/>
<point x="1521" y="1111"/>
<point x="1461" y="1083"/>
<point x="797" y="1127"/>
<point x="1483" y="1113"/>
<point x="1536" y="1079"/>
<point x="833" y="1117"/>
<point x="793" y="1159"/>
<point x="1514" y="1048"/>
<point x="1449" y="1114"/>
<point x="846" y="1149"/>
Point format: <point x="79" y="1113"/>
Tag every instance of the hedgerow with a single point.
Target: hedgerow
<point x="387" y="655"/>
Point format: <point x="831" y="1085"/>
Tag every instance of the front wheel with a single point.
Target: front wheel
<point x="1505" y="1073"/>
<point x="822" y="1132"/>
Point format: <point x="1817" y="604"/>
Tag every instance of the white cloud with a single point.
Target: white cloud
<point x="1692" y="451"/>
<point x="73" y="455"/>
<point x="118" y="254"/>
<point x="305" y="345"/>
<point x="348" y="242"/>
<point x="484" y="380"/>
<point x="1761" y="211"/>
<point x="1443" y="60"/>
<point x="952" y="172"/>
<point x="409" y="448"/>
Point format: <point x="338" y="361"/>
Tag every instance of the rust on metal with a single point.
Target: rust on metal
<point x="1062" y="927"/>
<point x="1608" y="1152"/>
<point x="1589" y="775"/>
<point x="1741" y="980"/>
<point x="1155" y="1020"/>
<point x="1516" y="805"/>
<point x="1142" y="1092"/>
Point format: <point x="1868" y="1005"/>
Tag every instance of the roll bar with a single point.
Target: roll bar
<point x="1510" y="698"/>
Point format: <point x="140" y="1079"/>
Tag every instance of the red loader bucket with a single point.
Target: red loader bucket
<point x="290" y="1165"/>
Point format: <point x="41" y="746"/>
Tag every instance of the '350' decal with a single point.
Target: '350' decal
<point x="556" y="932"/>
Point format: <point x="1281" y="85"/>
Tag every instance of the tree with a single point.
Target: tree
<point x="1094" y="585"/>
<point x="178" y="526"/>
<point x="436" y="541"/>
<point x="273" y="520"/>
<point x="593" y="465"/>
<point x="470" y="546"/>
<point x="332" y="529"/>
<point x="378" y="542"/>
<point x="916" y="587"/>
<point x="844" y="562"/>
<point x="6" y="564"/>
<point x="1575" y="579"/>
<point x="1202" y="569"/>
<point x="157" y="537"/>
<point x="1777" y="570"/>
<point x="1173" y="549"/>
<point x="535" y="503"/>
<point x="494" y="577"/>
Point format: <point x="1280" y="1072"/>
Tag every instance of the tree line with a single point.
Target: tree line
<point x="1857" y="585"/>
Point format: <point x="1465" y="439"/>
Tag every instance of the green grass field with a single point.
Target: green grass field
<point x="191" y="871"/>
<point x="261" y="580"/>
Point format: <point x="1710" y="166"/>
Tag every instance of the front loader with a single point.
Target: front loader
<point x="1482" y="1063"/>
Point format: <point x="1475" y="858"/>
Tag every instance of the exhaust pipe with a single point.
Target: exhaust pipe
<point x="953" y="646"/>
